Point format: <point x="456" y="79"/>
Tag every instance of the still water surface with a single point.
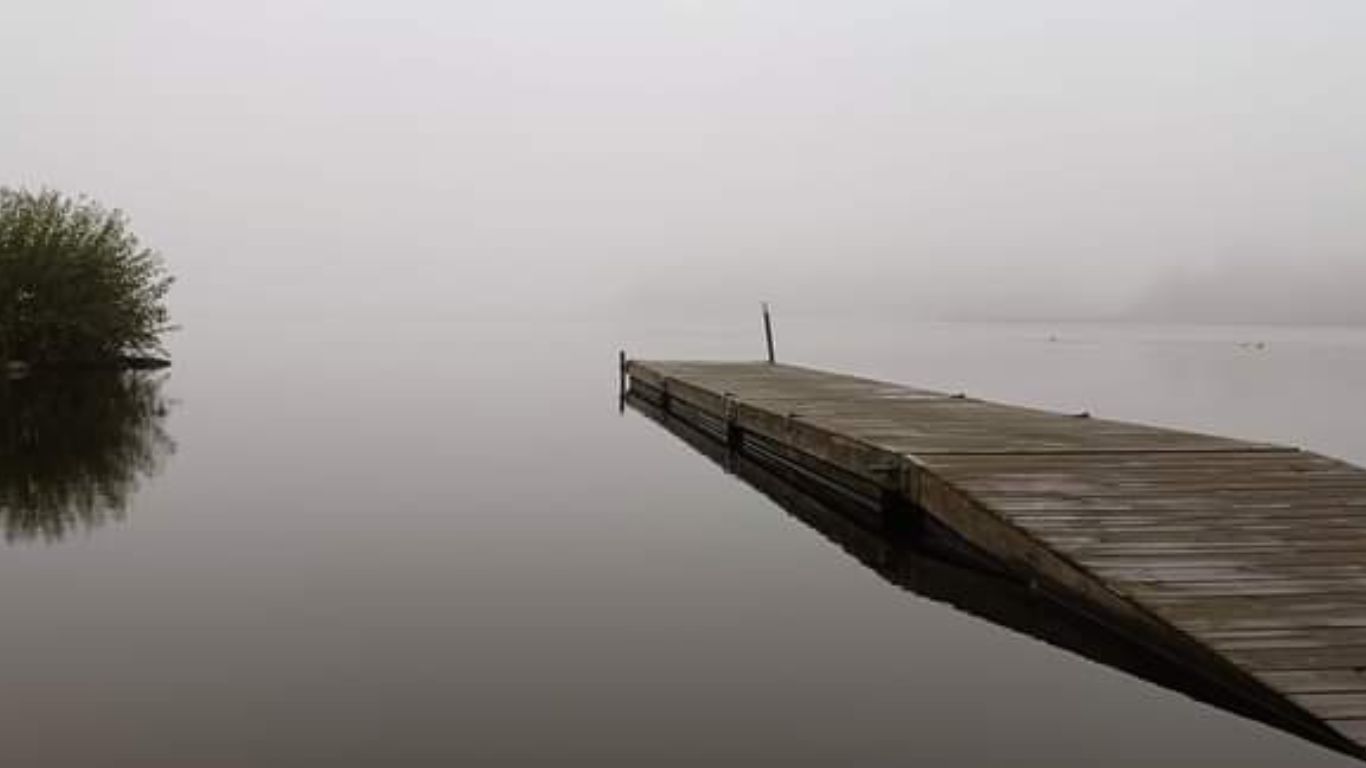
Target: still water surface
<point x="287" y="554"/>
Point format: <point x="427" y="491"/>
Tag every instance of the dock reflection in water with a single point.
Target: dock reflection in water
<point x="75" y="447"/>
<point x="910" y="551"/>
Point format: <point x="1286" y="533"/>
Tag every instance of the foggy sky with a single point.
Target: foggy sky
<point x="350" y="160"/>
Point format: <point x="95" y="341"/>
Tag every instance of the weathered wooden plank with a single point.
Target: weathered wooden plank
<point x="1295" y="637"/>
<point x="1334" y="705"/>
<point x="1250" y="561"/>
<point x="1308" y="538"/>
<point x="1187" y="504"/>
<point x="1252" y="524"/>
<point x="1178" y="571"/>
<point x="1267" y="584"/>
<point x="1319" y="658"/>
<point x="1317" y="680"/>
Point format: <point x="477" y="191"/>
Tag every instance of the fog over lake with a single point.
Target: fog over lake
<point x="990" y="159"/>
<point x="383" y="507"/>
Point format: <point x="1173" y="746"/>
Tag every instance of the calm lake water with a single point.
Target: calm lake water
<point x="462" y="553"/>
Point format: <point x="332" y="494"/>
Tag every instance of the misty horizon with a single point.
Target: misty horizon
<point x="534" y="159"/>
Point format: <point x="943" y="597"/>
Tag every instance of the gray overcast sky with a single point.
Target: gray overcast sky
<point x="441" y="157"/>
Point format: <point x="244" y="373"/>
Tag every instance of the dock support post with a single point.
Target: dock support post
<point x="730" y="416"/>
<point x="730" y="426"/>
<point x="768" y="333"/>
<point x="899" y="514"/>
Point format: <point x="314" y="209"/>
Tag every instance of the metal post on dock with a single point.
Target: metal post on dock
<point x="768" y="333"/>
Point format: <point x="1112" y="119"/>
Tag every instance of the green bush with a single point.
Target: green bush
<point x="76" y="286"/>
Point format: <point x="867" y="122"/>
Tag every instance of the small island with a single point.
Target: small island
<point x="77" y="287"/>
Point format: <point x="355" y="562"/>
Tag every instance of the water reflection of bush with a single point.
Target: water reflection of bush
<point x="74" y="448"/>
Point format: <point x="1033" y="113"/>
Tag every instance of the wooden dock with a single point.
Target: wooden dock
<point x="1242" y="564"/>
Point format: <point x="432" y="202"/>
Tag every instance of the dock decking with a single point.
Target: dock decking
<point x="1245" y="563"/>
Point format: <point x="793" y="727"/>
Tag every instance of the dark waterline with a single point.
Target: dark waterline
<point x="465" y="554"/>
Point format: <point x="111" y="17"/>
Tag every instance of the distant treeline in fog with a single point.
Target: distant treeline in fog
<point x="1250" y="290"/>
<point x="1280" y="291"/>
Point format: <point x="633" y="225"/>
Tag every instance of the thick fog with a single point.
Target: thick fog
<point x="363" y="160"/>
